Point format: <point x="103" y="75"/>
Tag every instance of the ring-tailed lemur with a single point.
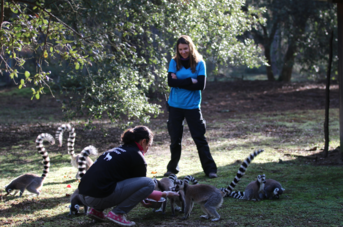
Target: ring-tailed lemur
<point x="32" y="182"/>
<point x="75" y="201"/>
<point x="252" y="190"/>
<point x="272" y="190"/>
<point x="166" y="184"/>
<point x="180" y="200"/>
<point x="71" y="144"/>
<point x="189" y="178"/>
<point x="240" y="173"/>
<point x="209" y="197"/>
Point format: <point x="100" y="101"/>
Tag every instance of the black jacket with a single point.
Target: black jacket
<point x="114" y="165"/>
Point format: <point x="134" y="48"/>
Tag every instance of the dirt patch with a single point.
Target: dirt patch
<point x="221" y="100"/>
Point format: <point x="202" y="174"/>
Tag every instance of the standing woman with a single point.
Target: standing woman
<point x="118" y="178"/>
<point x="187" y="78"/>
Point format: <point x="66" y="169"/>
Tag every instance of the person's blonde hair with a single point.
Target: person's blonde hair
<point x="194" y="56"/>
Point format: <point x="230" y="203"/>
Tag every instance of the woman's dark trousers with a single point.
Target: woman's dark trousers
<point x="197" y="127"/>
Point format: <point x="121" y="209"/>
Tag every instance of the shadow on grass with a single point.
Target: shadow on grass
<point x="61" y="182"/>
<point x="28" y="204"/>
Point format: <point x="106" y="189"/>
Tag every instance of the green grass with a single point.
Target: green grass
<point x="313" y="196"/>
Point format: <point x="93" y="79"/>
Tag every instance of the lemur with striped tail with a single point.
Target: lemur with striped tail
<point x="71" y="144"/>
<point x="252" y="190"/>
<point x="75" y="201"/>
<point x="166" y="184"/>
<point x="207" y="196"/>
<point x="33" y="183"/>
<point x="272" y="189"/>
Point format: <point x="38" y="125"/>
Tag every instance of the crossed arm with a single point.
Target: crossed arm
<point x="188" y="83"/>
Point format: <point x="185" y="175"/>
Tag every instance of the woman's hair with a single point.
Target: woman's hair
<point x="136" y="134"/>
<point x="194" y="56"/>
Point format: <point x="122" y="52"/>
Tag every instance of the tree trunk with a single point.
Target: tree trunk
<point x="270" y="74"/>
<point x="340" y="71"/>
<point x="327" y="102"/>
<point x="288" y="63"/>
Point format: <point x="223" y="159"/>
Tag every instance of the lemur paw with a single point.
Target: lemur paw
<point x="215" y="219"/>
<point x="204" y="216"/>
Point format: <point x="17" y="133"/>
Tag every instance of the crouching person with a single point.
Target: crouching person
<point x="118" y="179"/>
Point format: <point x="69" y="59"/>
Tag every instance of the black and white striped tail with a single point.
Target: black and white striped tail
<point x="236" y="194"/>
<point x="240" y="172"/>
<point x="60" y="131"/>
<point x="82" y="161"/>
<point x="71" y="141"/>
<point x="190" y="179"/>
<point x="173" y="177"/>
<point x="41" y="149"/>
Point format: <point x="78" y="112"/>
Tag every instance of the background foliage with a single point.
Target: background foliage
<point x="296" y="37"/>
<point x="108" y="56"/>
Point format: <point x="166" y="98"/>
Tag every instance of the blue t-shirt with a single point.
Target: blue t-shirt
<point x="183" y="98"/>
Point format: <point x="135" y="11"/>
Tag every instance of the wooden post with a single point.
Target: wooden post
<point x="340" y="71"/>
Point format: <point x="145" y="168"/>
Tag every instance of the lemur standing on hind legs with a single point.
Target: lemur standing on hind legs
<point x="71" y="144"/>
<point x="166" y="184"/>
<point x="207" y="196"/>
<point x="32" y="182"/>
<point x="75" y="201"/>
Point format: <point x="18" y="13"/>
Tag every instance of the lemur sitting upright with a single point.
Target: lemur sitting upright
<point x="71" y="144"/>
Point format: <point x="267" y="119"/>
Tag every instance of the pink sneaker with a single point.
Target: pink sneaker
<point x="120" y="219"/>
<point x="97" y="215"/>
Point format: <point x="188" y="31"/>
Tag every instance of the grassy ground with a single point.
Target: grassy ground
<point x="292" y="142"/>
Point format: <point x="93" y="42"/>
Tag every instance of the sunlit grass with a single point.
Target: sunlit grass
<point x="313" y="195"/>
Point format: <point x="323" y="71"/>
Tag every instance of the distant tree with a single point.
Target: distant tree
<point x="295" y="32"/>
<point x="111" y="52"/>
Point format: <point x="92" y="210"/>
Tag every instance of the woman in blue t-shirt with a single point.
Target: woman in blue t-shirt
<point x="187" y="78"/>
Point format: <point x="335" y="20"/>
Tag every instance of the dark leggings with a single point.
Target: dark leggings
<point x="197" y="127"/>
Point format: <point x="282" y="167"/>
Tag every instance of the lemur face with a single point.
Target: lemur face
<point x="261" y="178"/>
<point x="179" y="185"/>
<point x="277" y="192"/>
<point x="7" y="189"/>
<point x="74" y="209"/>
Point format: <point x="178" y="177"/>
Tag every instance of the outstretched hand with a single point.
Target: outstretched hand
<point x="171" y="193"/>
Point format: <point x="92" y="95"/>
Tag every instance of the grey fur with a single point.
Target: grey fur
<point x="29" y="181"/>
<point x="240" y="173"/>
<point x="75" y="201"/>
<point x="254" y="188"/>
<point x="207" y="196"/>
<point x="272" y="190"/>
<point x="167" y="184"/>
<point x="71" y="143"/>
